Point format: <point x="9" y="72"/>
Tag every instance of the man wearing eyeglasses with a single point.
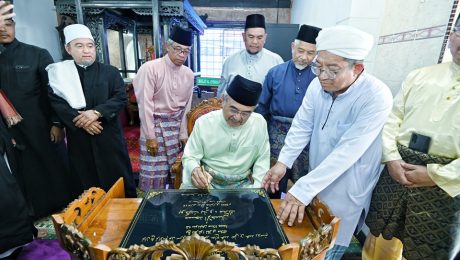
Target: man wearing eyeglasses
<point x="417" y="199"/>
<point x="282" y="94"/>
<point x="341" y="118"/>
<point x="238" y="156"/>
<point x="254" y="62"/>
<point x="164" y="89"/>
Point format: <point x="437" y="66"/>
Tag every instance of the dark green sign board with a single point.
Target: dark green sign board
<point x="211" y="82"/>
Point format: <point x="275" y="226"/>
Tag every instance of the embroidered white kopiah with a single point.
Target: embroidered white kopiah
<point x="75" y="31"/>
<point x="345" y="41"/>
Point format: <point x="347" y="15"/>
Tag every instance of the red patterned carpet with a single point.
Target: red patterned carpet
<point x="132" y="134"/>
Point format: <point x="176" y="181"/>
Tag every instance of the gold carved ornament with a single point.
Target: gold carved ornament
<point x="193" y="247"/>
<point x="75" y="242"/>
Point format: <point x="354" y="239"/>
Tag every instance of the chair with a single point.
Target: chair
<point x="132" y="108"/>
<point x="202" y="108"/>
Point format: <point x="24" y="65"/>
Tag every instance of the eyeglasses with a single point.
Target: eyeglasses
<point x="457" y="31"/>
<point x="243" y="114"/>
<point x="179" y="50"/>
<point x="330" y="74"/>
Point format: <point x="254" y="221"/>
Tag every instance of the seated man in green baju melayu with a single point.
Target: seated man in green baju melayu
<point x="229" y="148"/>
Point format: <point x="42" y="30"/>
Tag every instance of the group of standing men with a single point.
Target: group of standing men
<point x="342" y="120"/>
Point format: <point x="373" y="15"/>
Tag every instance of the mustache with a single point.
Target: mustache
<point x="234" y="120"/>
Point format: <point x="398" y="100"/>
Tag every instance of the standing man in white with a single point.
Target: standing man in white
<point x="341" y="117"/>
<point x="254" y="62"/>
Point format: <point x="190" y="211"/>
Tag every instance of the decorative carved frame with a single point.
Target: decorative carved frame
<point x="194" y="247"/>
<point x="75" y="242"/>
<point x="77" y="216"/>
<point x="67" y="224"/>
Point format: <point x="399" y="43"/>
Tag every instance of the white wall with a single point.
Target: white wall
<point x="35" y="24"/>
<point x="363" y="14"/>
<point x="412" y="37"/>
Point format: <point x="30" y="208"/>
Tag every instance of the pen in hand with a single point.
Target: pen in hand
<point x="207" y="180"/>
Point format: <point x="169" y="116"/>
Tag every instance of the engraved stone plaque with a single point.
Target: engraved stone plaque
<point x="242" y="216"/>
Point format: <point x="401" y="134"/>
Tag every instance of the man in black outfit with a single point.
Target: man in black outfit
<point x="43" y="174"/>
<point x="88" y="96"/>
<point x="16" y="226"/>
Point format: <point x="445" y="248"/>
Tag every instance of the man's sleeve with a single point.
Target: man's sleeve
<point x="393" y="123"/>
<point x="193" y="153"/>
<point x="144" y="87"/>
<point x="262" y="163"/>
<point x="263" y="106"/>
<point x="183" y="126"/>
<point x="349" y="149"/>
<point x="279" y="60"/>
<point x="447" y="177"/>
<point x="118" y="97"/>
<point x="224" y="78"/>
<point x="63" y="110"/>
<point x="45" y="59"/>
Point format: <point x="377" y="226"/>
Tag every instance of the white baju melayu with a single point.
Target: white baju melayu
<point x="345" y="148"/>
<point x="251" y="66"/>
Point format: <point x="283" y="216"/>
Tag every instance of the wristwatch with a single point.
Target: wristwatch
<point x="98" y="114"/>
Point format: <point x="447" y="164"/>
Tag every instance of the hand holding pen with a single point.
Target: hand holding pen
<point x="201" y="178"/>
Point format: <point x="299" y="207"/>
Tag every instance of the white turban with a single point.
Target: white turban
<point x="75" y="31"/>
<point x="345" y="41"/>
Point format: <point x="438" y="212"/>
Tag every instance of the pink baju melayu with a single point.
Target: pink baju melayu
<point x="164" y="95"/>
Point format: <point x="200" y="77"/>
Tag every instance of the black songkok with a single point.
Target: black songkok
<point x="255" y="21"/>
<point x="181" y="36"/>
<point x="308" y="33"/>
<point x="244" y="91"/>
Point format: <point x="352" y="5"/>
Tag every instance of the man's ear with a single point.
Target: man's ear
<point x="358" y="68"/>
<point x="67" y="48"/>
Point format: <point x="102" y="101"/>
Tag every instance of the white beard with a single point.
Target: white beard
<point x="300" y="67"/>
<point x="85" y="64"/>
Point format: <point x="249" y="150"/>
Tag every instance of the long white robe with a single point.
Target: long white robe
<point x="345" y="148"/>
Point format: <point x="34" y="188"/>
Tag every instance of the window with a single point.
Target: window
<point x="216" y="45"/>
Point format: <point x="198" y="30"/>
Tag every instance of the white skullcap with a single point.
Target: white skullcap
<point x="75" y="31"/>
<point x="345" y="41"/>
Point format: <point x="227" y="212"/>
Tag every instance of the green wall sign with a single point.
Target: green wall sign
<point x="211" y="82"/>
